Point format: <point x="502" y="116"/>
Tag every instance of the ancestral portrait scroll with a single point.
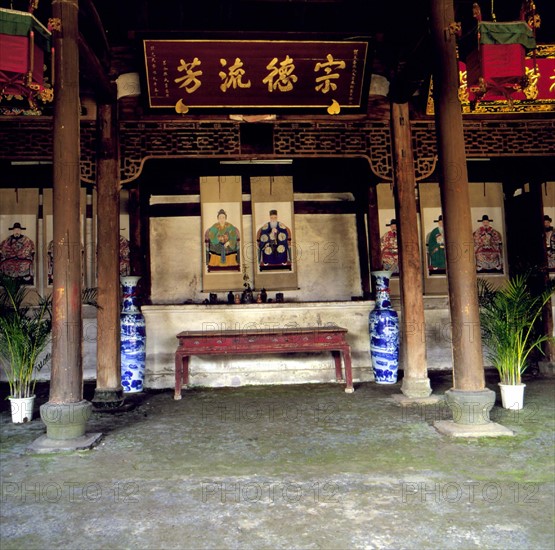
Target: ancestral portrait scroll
<point x="18" y="247"/>
<point x="274" y="252"/>
<point x="221" y="214"/>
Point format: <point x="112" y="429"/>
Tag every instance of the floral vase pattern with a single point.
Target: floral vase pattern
<point x="133" y="338"/>
<point x="383" y="327"/>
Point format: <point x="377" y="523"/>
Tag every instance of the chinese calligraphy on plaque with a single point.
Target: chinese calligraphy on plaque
<point x="256" y="74"/>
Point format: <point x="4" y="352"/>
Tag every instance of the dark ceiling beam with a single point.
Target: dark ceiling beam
<point x="94" y="73"/>
<point x="91" y="26"/>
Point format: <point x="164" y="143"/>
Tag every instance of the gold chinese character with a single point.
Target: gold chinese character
<point x="234" y="76"/>
<point x="463" y="93"/>
<point x="285" y="77"/>
<point x="190" y="81"/>
<point x="531" y="89"/>
<point x="552" y="86"/>
<point x="324" y="83"/>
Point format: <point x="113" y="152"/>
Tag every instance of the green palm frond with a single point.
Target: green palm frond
<point x="89" y="296"/>
<point x="508" y="317"/>
<point x="25" y="332"/>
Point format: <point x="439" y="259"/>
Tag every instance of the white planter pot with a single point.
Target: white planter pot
<point x="22" y="409"/>
<point x="512" y="396"/>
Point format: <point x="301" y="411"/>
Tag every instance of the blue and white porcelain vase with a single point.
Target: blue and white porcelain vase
<point x="383" y="327"/>
<point x="133" y="338"/>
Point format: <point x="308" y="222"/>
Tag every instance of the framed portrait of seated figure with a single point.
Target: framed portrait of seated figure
<point x="221" y="233"/>
<point x="273" y="242"/>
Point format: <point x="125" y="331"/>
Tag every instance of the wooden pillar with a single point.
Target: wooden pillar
<point x="66" y="412"/>
<point x="549" y="346"/>
<point x="415" y="376"/>
<point x="136" y="257"/>
<point x="41" y="244"/>
<point x="374" y="229"/>
<point x="362" y="248"/>
<point x="469" y="400"/>
<point x="139" y="228"/>
<point x="89" y="241"/>
<point x="468" y="371"/>
<point x="108" y="393"/>
<point x="66" y="383"/>
<point x="547" y="314"/>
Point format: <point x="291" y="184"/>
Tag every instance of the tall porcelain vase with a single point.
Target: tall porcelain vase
<point x="383" y="327"/>
<point x="133" y="338"/>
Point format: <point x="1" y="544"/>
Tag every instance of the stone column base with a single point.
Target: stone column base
<point x="470" y="407"/>
<point x="66" y="420"/>
<point x="44" y="444"/>
<point x="547" y="368"/>
<point x="107" y="399"/>
<point x="448" y="427"/>
<point x="416" y="387"/>
<point x="405" y="401"/>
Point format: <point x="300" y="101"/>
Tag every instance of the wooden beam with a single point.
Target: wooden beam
<point x="89" y="19"/>
<point x="363" y="247"/>
<point x="374" y="229"/>
<point x="95" y="74"/>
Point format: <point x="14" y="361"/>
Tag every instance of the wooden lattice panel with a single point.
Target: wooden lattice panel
<point x="510" y="138"/>
<point x="26" y="139"/>
<point x="424" y="149"/>
<point x="493" y="139"/>
<point x="331" y="139"/>
<point x="140" y="140"/>
<point x="88" y="152"/>
<point x="31" y="139"/>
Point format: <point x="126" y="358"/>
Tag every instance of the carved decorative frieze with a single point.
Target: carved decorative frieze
<point x="31" y="139"/>
<point x="141" y="140"/>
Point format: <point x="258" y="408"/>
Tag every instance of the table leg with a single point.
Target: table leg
<point x="337" y="358"/>
<point x="348" y="370"/>
<point x="186" y="370"/>
<point x="178" y="375"/>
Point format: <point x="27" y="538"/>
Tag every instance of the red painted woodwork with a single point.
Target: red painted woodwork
<point x="292" y="74"/>
<point x="496" y="61"/>
<point x="257" y="342"/>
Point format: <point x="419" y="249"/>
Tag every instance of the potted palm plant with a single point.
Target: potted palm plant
<point x="509" y="321"/>
<point x="25" y="332"/>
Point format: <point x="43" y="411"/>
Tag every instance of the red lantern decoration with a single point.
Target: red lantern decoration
<point x="24" y="41"/>
<point x="497" y="62"/>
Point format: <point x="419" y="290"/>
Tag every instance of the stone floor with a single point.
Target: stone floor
<point x="285" y="467"/>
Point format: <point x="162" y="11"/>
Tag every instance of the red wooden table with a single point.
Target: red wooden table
<point x="257" y="342"/>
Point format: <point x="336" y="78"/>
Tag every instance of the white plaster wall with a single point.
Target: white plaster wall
<point x="163" y="323"/>
<point x="175" y="249"/>
<point x="327" y="254"/>
<point x="326" y="250"/>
